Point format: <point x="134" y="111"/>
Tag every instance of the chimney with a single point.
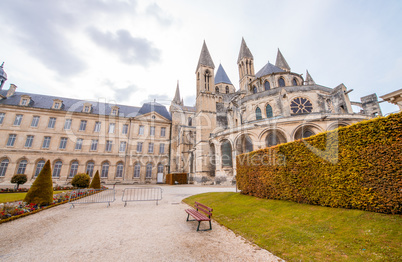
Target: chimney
<point x="11" y="91"/>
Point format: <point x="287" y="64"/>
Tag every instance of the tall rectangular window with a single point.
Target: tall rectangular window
<point x="125" y="129"/>
<point x="97" y="127"/>
<point x="161" y="148"/>
<point x="28" y="142"/>
<point x="11" y="139"/>
<point x="137" y="169"/>
<point x="52" y="122"/>
<point x="150" y="147"/>
<point x="139" y="147"/>
<point x="122" y="146"/>
<point x="108" y="147"/>
<point x="152" y="131"/>
<point x="78" y="144"/>
<point x="67" y="124"/>
<point x="94" y="144"/>
<point x="17" y="120"/>
<point x="2" y="115"/>
<point x="46" y="142"/>
<point x="35" y="121"/>
<point x="90" y="168"/>
<point x="111" y="128"/>
<point x="163" y="131"/>
<point x="141" y="131"/>
<point x="63" y="143"/>
<point x="83" y="125"/>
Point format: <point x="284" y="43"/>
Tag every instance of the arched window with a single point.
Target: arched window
<point x="274" y="138"/>
<point x="39" y="167"/>
<point x="258" y="115"/>
<point x="217" y="90"/>
<point x="226" y="151"/>
<point x="301" y="105"/>
<point x="254" y="90"/>
<point x="206" y="76"/>
<point x="22" y="166"/>
<point x="3" y="167"/>
<point x="119" y="170"/>
<point x="190" y="121"/>
<point x="73" y="169"/>
<point x="137" y="169"/>
<point x="267" y="86"/>
<point x="148" y="173"/>
<point x="294" y="81"/>
<point x="90" y="168"/>
<point x="160" y="168"/>
<point x="57" y="169"/>
<point x="105" y="170"/>
<point x="227" y="89"/>
<point x="281" y="82"/>
<point x="307" y="133"/>
<point x="268" y="110"/>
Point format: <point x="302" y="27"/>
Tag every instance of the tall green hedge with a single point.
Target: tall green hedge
<point x="361" y="168"/>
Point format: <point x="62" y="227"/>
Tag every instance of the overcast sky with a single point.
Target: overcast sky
<point x="134" y="51"/>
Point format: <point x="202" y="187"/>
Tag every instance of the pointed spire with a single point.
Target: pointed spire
<point x="221" y="76"/>
<point x="281" y="62"/>
<point x="244" y="51"/>
<point x="2" y="65"/>
<point x="176" y="98"/>
<point x="309" y="80"/>
<point x="205" y="58"/>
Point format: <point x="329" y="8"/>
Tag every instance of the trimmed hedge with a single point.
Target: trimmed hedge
<point x="41" y="191"/>
<point x="95" y="183"/>
<point x="361" y="169"/>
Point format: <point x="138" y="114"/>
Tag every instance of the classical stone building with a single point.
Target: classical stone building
<point x="272" y="106"/>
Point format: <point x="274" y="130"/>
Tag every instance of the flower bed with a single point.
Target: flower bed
<point x="22" y="190"/>
<point x="14" y="210"/>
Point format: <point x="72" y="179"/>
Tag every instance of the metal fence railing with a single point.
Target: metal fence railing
<point x="142" y="194"/>
<point x="88" y="196"/>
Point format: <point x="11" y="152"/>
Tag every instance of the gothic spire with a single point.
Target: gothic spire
<point x="244" y="51"/>
<point x="176" y="98"/>
<point x="221" y="76"/>
<point x="205" y="58"/>
<point x="309" y="80"/>
<point x="281" y="62"/>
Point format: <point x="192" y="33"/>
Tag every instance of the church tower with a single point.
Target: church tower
<point x="245" y="62"/>
<point x="205" y="115"/>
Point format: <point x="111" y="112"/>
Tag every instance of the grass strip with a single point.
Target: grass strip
<point x="299" y="232"/>
<point x="11" y="197"/>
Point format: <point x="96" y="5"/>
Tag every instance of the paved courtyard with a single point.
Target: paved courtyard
<point x="142" y="231"/>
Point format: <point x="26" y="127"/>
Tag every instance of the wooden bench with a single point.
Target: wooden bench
<point x="204" y="216"/>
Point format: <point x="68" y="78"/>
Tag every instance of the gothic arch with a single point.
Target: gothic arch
<point x="306" y="130"/>
<point x="336" y="125"/>
<point x="244" y="144"/>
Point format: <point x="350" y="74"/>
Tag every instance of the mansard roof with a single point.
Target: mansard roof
<point x="75" y="105"/>
<point x="268" y="69"/>
<point x="244" y="51"/>
<point x="221" y="76"/>
<point x="205" y="58"/>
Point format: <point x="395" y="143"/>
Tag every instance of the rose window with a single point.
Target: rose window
<point x="301" y="105"/>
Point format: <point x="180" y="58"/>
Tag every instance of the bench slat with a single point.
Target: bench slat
<point x="197" y="215"/>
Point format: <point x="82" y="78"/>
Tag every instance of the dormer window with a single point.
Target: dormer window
<point x="114" y="111"/>
<point x="87" y="108"/>
<point x="25" y="100"/>
<point x="57" y="104"/>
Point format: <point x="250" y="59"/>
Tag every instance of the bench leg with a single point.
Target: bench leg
<point x="198" y="228"/>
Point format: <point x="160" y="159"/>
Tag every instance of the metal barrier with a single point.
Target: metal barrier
<point x="88" y="196"/>
<point x="142" y="194"/>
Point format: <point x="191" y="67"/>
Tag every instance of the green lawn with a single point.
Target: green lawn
<point x="299" y="232"/>
<point x="10" y="197"/>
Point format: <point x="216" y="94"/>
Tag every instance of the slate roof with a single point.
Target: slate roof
<point x="268" y="69"/>
<point x="221" y="76"/>
<point x="205" y="58"/>
<point x="76" y="105"/>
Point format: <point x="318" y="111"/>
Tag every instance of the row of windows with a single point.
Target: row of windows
<point x="83" y="125"/>
<point x="78" y="145"/>
<point x="281" y="83"/>
<point x="226" y="90"/>
<point x="89" y="169"/>
<point x="298" y="105"/>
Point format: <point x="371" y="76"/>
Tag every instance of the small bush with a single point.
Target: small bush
<point x="95" y="183"/>
<point x="19" y="179"/>
<point x="81" y="180"/>
<point x="41" y="191"/>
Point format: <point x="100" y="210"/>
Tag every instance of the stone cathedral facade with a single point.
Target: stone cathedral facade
<point x="271" y="106"/>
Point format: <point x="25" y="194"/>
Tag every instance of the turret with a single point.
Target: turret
<point x="205" y="71"/>
<point x="281" y="62"/>
<point x="245" y="62"/>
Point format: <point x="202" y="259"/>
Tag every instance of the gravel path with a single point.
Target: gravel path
<point x="142" y="231"/>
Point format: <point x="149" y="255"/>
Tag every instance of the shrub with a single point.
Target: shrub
<point x="81" y="180"/>
<point x="41" y="191"/>
<point x="19" y="179"/>
<point x="95" y="183"/>
<point x="364" y="171"/>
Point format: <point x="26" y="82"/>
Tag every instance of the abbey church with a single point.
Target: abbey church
<point x="270" y="107"/>
<point x="139" y="145"/>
